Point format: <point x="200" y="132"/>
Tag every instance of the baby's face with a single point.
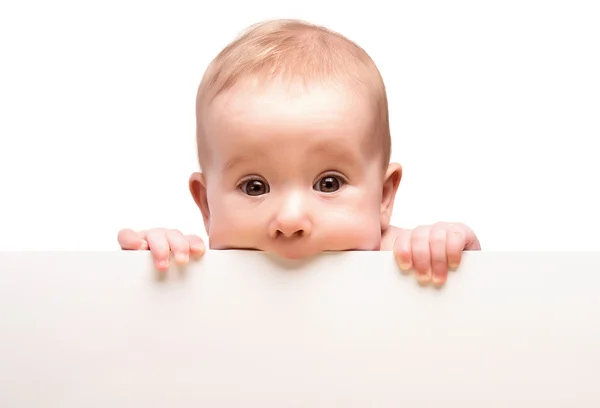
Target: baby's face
<point x="291" y="173"/>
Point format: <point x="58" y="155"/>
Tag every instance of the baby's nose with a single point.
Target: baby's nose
<point x="288" y="231"/>
<point x="292" y="219"/>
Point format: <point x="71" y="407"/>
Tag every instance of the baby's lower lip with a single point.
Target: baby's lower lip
<point x="287" y="253"/>
<point x="291" y="254"/>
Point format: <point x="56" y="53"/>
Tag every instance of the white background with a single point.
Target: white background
<point x="495" y="109"/>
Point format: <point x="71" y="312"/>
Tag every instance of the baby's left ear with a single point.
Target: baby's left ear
<point x="391" y="182"/>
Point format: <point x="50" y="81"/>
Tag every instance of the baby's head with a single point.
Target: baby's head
<point x="294" y="144"/>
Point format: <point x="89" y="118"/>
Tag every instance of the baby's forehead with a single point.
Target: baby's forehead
<point x="259" y="118"/>
<point x="251" y="103"/>
<point x="321" y="121"/>
<point x="277" y="92"/>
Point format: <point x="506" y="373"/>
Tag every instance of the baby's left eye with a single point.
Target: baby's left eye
<point x="329" y="184"/>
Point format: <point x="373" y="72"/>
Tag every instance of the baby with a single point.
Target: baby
<point x="294" y="150"/>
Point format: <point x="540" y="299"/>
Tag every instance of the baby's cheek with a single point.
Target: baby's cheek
<point x="367" y="222"/>
<point x="234" y="227"/>
<point x="352" y="229"/>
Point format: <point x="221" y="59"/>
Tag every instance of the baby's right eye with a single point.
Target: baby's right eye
<point x="254" y="187"/>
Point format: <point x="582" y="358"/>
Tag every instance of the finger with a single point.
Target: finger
<point x="439" y="260"/>
<point x="196" y="243"/>
<point x="402" y="251"/>
<point x="179" y="246"/>
<point x="159" y="247"/>
<point x="130" y="240"/>
<point x="471" y="241"/>
<point x="421" y="253"/>
<point x="455" y="244"/>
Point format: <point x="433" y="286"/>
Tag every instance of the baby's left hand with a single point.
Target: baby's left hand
<point x="431" y="250"/>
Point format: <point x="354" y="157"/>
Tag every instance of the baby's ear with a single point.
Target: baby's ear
<point x="391" y="181"/>
<point x="198" y="190"/>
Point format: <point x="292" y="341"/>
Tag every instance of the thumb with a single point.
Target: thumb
<point x="471" y="240"/>
<point x="130" y="240"/>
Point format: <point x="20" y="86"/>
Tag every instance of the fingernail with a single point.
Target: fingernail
<point x="424" y="277"/>
<point x="402" y="264"/>
<point x="143" y="246"/>
<point x="163" y="264"/>
<point x="437" y="279"/>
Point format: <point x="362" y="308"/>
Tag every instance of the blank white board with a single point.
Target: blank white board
<point x="236" y="328"/>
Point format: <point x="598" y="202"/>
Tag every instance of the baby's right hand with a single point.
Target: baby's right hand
<point x="161" y="242"/>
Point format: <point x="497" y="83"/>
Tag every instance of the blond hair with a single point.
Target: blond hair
<point x="295" y="50"/>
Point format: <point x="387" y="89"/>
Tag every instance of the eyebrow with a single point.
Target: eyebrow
<point x="332" y="152"/>
<point x="335" y="152"/>
<point x="240" y="160"/>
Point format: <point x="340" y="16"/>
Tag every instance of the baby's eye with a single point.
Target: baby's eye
<point x="329" y="184"/>
<point x="255" y="187"/>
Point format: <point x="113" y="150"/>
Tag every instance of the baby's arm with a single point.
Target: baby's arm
<point x="430" y="250"/>
<point x="161" y="242"/>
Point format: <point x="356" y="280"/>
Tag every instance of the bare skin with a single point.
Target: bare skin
<point x="297" y="176"/>
<point x="429" y="251"/>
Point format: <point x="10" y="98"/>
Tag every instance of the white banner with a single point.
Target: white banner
<point x="101" y="329"/>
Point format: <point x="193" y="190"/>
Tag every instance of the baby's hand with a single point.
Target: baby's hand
<point x="161" y="242"/>
<point x="431" y="249"/>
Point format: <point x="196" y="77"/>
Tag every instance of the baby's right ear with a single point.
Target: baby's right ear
<point x="198" y="190"/>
